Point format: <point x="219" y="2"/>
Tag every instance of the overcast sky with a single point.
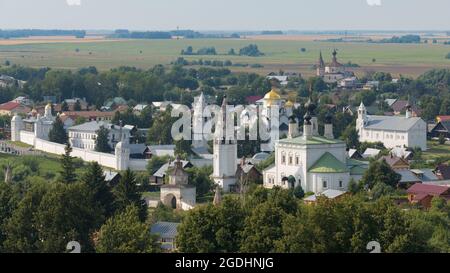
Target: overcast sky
<point x="227" y="14"/>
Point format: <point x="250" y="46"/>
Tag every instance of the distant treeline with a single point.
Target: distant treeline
<point x="215" y="63"/>
<point x="272" y="32"/>
<point x="21" y="33"/>
<point x="250" y="50"/>
<point x="189" y="34"/>
<point x="407" y="39"/>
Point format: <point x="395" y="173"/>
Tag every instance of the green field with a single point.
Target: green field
<point x="435" y="150"/>
<point x="406" y="59"/>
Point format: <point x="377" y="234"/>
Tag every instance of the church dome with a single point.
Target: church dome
<point x="48" y="106"/>
<point x="289" y="104"/>
<point x="272" y="95"/>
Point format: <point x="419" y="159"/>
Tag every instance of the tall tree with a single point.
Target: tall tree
<point x="57" y="133"/>
<point x="101" y="144"/>
<point x="380" y="172"/>
<point x="127" y="192"/>
<point x="101" y="191"/>
<point x="67" y="171"/>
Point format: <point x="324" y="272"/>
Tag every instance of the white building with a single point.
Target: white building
<point x="225" y="152"/>
<point x="85" y="135"/>
<point x="392" y="131"/>
<point x="317" y="163"/>
<point x="36" y="126"/>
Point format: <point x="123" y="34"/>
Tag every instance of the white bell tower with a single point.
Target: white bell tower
<point x="225" y="153"/>
<point x="362" y="117"/>
<point x="198" y="121"/>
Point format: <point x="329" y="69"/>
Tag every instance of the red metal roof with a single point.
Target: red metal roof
<point x="9" y="105"/>
<point x="434" y="190"/>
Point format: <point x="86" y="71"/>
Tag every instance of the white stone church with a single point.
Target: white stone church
<point x="316" y="163"/>
<point x="392" y="131"/>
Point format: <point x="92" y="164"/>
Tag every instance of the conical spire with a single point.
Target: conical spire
<point x="321" y="63"/>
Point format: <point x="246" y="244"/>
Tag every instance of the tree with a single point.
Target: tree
<point x="127" y="192"/>
<point x="102" y="141"/>
<point x="77" y="106"/>
<point x="299" y="192"/>
<point x="57" y="133"/>
<point x="155" y="163"/>
<point x="183" y="148"/>
<point x="212" y="229"/>
<point x="125" y="233"/>
<point x="351" y="137"/>
<point x="67" y="171"/>
<point x="65" y="214"/>
<point x="101" y="191"/>
<point x="380" y="172"/>
<point x="64" y="106"/>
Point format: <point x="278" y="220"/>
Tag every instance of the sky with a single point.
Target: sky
<point x="227" y="14"/>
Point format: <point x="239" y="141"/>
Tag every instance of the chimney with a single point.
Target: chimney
<point x="328" y="127"/>
<point x="307" y="127"/>
<point x="293" y="128"/>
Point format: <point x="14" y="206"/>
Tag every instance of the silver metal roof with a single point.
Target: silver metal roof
<point x="391" y="123"/>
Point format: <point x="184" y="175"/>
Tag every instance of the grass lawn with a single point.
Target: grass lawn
<point x="435" y="150"/>
<point x="19" y="144"/>
<point x="406" y="59"/>
<point x="47" y="164"/>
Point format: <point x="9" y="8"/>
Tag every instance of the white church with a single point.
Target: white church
<point x="392" y="131"/>
<point x="316" y="163"/>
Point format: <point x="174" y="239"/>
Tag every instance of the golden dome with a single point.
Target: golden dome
<point x="272" y="95"/>
<point x="289" y="104"/>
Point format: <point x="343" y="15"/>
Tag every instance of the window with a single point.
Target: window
<point x="341" y="184"/>
<point x="283" y="158"/>
<point x="324" y="184"/>
<point x="297" y="160"/>
<point x="290" y="159"/>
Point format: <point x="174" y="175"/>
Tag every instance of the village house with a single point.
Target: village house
<point x="167" y="232"/>
<point x="11" y="108"/>
<point x="396" y="163"/>
<point x="423" y="194"/>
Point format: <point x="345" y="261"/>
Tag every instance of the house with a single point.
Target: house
<point x="247" y="172"/>
<point x="23" y="100"/>
<point x="11" y="108"/>
<point x="113" y="104"/>
<point x="85" y="135"/>
<point x="71" y="103"/>
<point x="330" y="194"/>
<point x="402" y="153"/>
<point x="354" y="154"/>
<point x="7" y="81"/>
<point x="259" y="157"/>
<point x="139" y="108"/>
<point x="413" y="176"/>
<point x="162" y="150"/>
<point x="423" y="194"/>
<point x="283" y="80"/>
<point x="253" y="99"/>
<point x="442" y="171"/>
<point x="399" y="107"/>
<point x="392" y="131"/>
<point x="396" y="163"/>
<point x="371" y="152"/>
<point x="158" y="177"/>
<point x="441" y="128"/>
<point x="161" y="105"/>
<point x="167" y="232"/>
<point x="371" y="85"/>
<point x="348" y="83"/>
<point x="111" y="177"/>
<point x="89" y="115"/>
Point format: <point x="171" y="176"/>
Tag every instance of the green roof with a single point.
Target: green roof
<point x="357" y="170"/>
<point x="328" y="163"/>
<point x="315" y="140"/>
